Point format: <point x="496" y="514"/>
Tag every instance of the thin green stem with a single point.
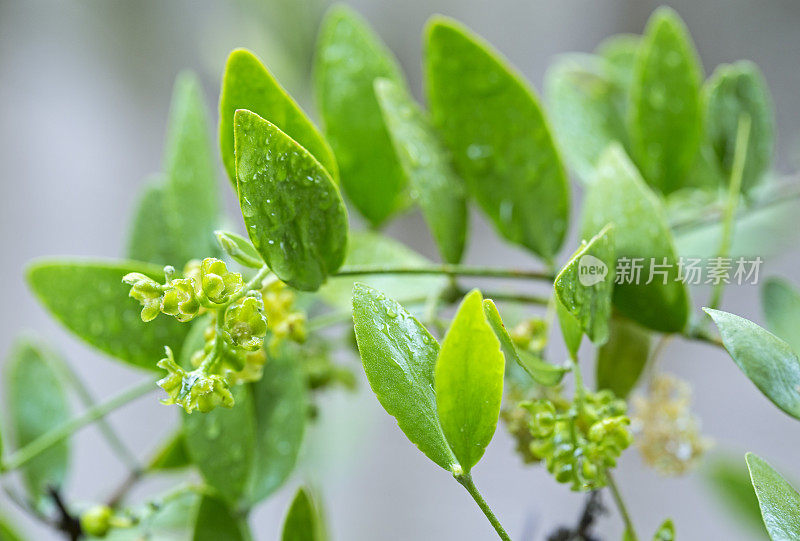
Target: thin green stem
<point x="512" y="297"/>
<point x="737" y="172"/>
<point x="449" y="270"/>
<point x="623" y="510"/>
<point x="57" y="435"/>
<point x="465" y="479"/>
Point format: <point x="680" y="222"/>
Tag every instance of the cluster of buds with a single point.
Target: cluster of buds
<point x="579" y="442"/>
<point x="237" y="364"/>
<point x="98" y="520"/>
<point x="530" y="334"/>
<point x="283" y="320"/>
<point x="193" y="390"/>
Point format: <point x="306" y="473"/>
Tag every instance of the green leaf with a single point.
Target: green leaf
<point x="350" y="56"/>
<point x="399" y="356"/>
<point x="585" y="284"/>
<point x="665" y="532"/>
<point x="8" y="532"/>
<point x="621" y="360"/>
<point x="369" y="248"/>
<point x="294" y="214"/>
<point x="491" y="120"/>
<point x="469" y="382"/>
<point x="37" y="403"/>
<point x="247" y="84"/>
<point x="303" y="521"/>
<point x="148" y="239"/>
<point x="239" y="249"/>
<point x="767" y="360"/>
<point x="89" y="299"/>
<point x="435" y="186"/>
<point x="281" y="411"/>
<point x="620" y="196"/>
<point x="190" y="193"/>
<point x="618" y="54"/>
<point x="665" y="115"/>
<point x="730" y="482"/>
<point x="172" y="455"/>
<point x="734" y="90"/>
<point x="780" y="503"/>
<point x="540" y="370"/>
<point x="216" y="521"/>
<point x="223" y="445"/>
<point x="781" y="304"/>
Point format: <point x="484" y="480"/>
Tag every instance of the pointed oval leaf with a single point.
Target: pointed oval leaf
<point x="779" y="501"/>
<point x="247" y="84"/>
<point x="618" y="54"/>
<point x="148" y="237"/>
<point x="8" y="532"/>
<point x="621" y="360"/>
<point x="89" y="299"/>
<point x="620" y="196"/>
<point x="764" y="358"/>
<point x="215" y="520"/>
<point x="781" y="304"/>
<point x="172" y="455"/>
<point x="665" y="115"/>
<point x="491" y="120"/>
<point x="665" y="532"/>
<point x="350" y="56"/>
<point x="303" y="521"/>
<point x="37" y="403"/>
<point x="239" y="249"/>
<point x="469" y="382"/>
<point x="435" y="186"/>
<point x="294" y="214"/>
<point x="399" y="357"/>
<point x="731" y="91"/>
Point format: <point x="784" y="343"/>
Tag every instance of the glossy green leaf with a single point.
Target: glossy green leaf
<point x="247" y="84"/>
<point x="734" y="90"/>
<point x="239" y="249"/>
<point x="223" y="444"/>
<point x="191" y="202"/>
<point x="294" y="214"/>
<point x="665" y="532"/>
<point x="469" y="382"/>
<point x="780" y="301"/>
<point x="730" y="482"/>
<point x="585" y="284"/>
<point x="89" y="299"/>
<point x="350" y="56"/>
<point x="172" y="455"/>
<point x="767" y="360"/>
<point x="779" y="501"/>
<point x="621" y="360"/>
<point x="491" y="120"/>
<point x="303" y="521"/>
<point x="620" y="196"/>
<point x="540" y="370"/>
<point x="148" y="238"/>
<point x="216" y="521"/>
<point x="399" y="357"/>
<point x="8" y="532"/>
<point x="37" y="403"/>
<point x="281" y="411"/>
<point x="665" y="113"/>
<point x="435" y="186"/>
<point x="366" y="248"/>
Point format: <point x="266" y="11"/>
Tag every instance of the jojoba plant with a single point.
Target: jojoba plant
<point x="239" y="331"/>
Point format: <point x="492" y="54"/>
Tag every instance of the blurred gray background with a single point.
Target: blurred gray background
<point x="84" y="92"/>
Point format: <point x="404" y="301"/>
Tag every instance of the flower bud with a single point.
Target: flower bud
<point x="217" y="282"/>
<point x="96" y="521"/>
<point x="147" y="291"/>
<point x="245" y="323"/>
<point x="180" y="299"/>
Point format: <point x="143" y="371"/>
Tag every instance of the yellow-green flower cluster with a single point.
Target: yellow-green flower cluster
<point x="193" y="390"/>
<point x="236" y="364"/>
<point x="283" y="320"/>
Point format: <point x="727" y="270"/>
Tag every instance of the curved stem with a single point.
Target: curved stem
<point x="449" y="270"/>
<point x="466" y="481"/>
<point x="623" y="510"/>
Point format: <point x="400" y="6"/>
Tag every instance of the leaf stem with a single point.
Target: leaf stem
<point x="449" y="270"/>
<point x="620" y="503"/>
<point x="465" y="479"/>
<point x="46" y="441"/>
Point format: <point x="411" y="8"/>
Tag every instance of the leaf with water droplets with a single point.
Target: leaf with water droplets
<point x="294" y="214"/>
<point x="247" y="84"/>
<point x="779" y="501"/>
<point x="37" y="403"/>
<point x="665" y="117"/>
<point x="781" y="304"/>
<point x="491" y="121"/>
<point x="436" y="188"/>
<point x="350" y="56"/>
<point x="734" y="90"/>
<point x="89" y="299"/>
<point x="642" y="238"/>
<point x="621" y="360"/>
<point x="767" y="360"/>
<point x="399" y="356"/>
<point x="469" y="382"/>
<point x="216" y="520"/>
<point x="303" y="521"/>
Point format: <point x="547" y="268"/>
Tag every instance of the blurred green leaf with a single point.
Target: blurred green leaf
<point x="778" y="500"/>
<point x="767" y="360"/>
<point x="734" y="90"/>
<point x="216" y="521"/>
<point x="37" y="403"/>
<point x="7" y="531"/>
<point x="665" y="532"/>
<point x="618" y="54"/>
<point x="491" y="120"/>
<point x="571" y="329"/>
<point x="665" y="116"/>
<point x="621" y="360"/>
<point x="350" y="56"/>
<point x="239" y="249"/>
<point x="730" y="482"/>
<point x="294" y="214"/>
<point x="148" y="239"/>
<point x="780" y="301"/>
<point x="247" y="84"/>
<point x="435" y="186"/>
<point x="303" y="521"/>
<point x="399" y="358"/>
<point x="469" y="382"/>
<point x="89" y="299"/>
<point x="172" y="454"/>
<point x="620" y="196"/>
